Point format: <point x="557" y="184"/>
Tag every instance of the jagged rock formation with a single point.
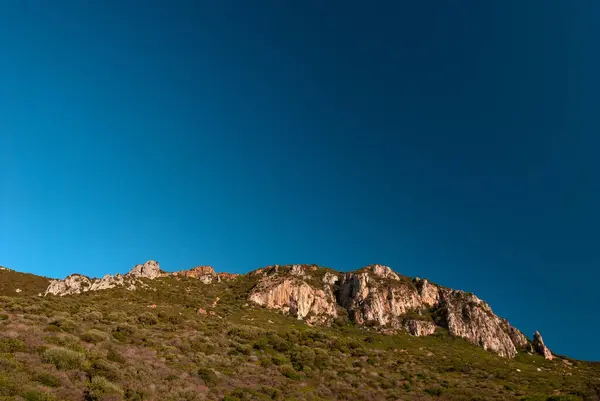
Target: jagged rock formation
<point x="540" y="347"/>
<point x="376" y="296"/>
<point x="206" y="274"/>
<point x="227" y="276"/>
<point x="287" y="290"/>
<point x="77" y="283"/>
<point x="150" y="270"/>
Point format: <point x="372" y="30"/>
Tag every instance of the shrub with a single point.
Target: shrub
<point x="38" y="395"/>
<point x="208" y="376"/>
<point x="63" y="358"/>
<point x="99" y="387"/>
<point x="302" y="356"/>
<point x="92" y="316"/>
<point x="123" y="332"/>
<point x="105" y="369"/>
<point x="117" y="317"/>
<point x="10" y="345"/>
<point x="289" y="372"/>
<point x="47" y="379"/>
<point x="148" y="319"/>
<point x="435" y="391"/>
<point x="114" y="356"/>
<point x="94" y="336"/>
<point x="64" y="324"/>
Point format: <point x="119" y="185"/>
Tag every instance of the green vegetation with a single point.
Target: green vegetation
<point x="111" y="345"/>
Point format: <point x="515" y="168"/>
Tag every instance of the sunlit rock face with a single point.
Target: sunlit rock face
<point x="540" y="347"/>
<point x="377" y="297"/>
<point x="73" y="284"/>
<point x="206" y="274"/>
<point x="77" y="283"/>
<point x="293" y="291"/>
<point x="150" y="270"/>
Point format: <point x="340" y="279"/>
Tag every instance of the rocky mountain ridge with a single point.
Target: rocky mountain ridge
<point x="373" y="297"/>
<point x="77" y="283"/>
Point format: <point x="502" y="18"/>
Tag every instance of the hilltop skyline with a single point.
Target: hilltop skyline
<point x="455" y="142"/>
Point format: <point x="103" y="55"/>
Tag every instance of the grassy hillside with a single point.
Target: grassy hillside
<point x="184" y="340"/>
<point x="29" y="284"/>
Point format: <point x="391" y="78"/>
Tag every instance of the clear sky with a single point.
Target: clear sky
<point x="456" y="141"/>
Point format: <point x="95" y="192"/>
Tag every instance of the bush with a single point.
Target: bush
<point x="63" y="358"/>
<point x="208" y="376"/>
<point x="38" y="395"/>
<point x="92" y="316"/>
<point x="105" y="369"/>
<point x="114" y="356"/>
<point x="123" y="332"/>
<point x="64" y="324"/>
<point x="47" y="379"/>
<point x="94" y="336"/>
<point x="302" y="356"/>
<point x="148" y="319"/>
<point x="100" y="387"/>
<point x="289" y="372"/>
<point x="10" y="345"/>
<point x="117" y="317"/>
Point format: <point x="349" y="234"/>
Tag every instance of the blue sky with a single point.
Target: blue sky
<point x="451" y="140"/>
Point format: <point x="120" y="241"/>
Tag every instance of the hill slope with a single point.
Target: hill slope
<point x="24" y="284"/>
<point x="180" y="337"/>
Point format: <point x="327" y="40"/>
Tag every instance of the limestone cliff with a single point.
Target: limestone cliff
<point x="377" y="297"/>
<point x="292" y="290"/>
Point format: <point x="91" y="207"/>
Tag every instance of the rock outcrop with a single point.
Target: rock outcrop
<point x="374" y="296"/>
<point x="77" y="283"/>
<point x="468" y="317"/>
<point x="540" y="347"/>
<point x="419" y="327"/>
<point x="73" y="284"/>
<point x="227" y="276"/>
<point x="377" y="297"/>
<point x="150" y="269"/>
<point x="290" y="291"/>
<point x="206" y="274"/>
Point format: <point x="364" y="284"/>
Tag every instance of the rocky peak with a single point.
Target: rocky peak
<point x="206" y="274"/>
<point x="227" y="276"/>
<point x="540" y="347"/>
<point x="292" y="290"/>
<point x="73" y="284"/>
<point x="377" y="297"/>
<point x="150" y="269"/>
<point x="383" y="272"/>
